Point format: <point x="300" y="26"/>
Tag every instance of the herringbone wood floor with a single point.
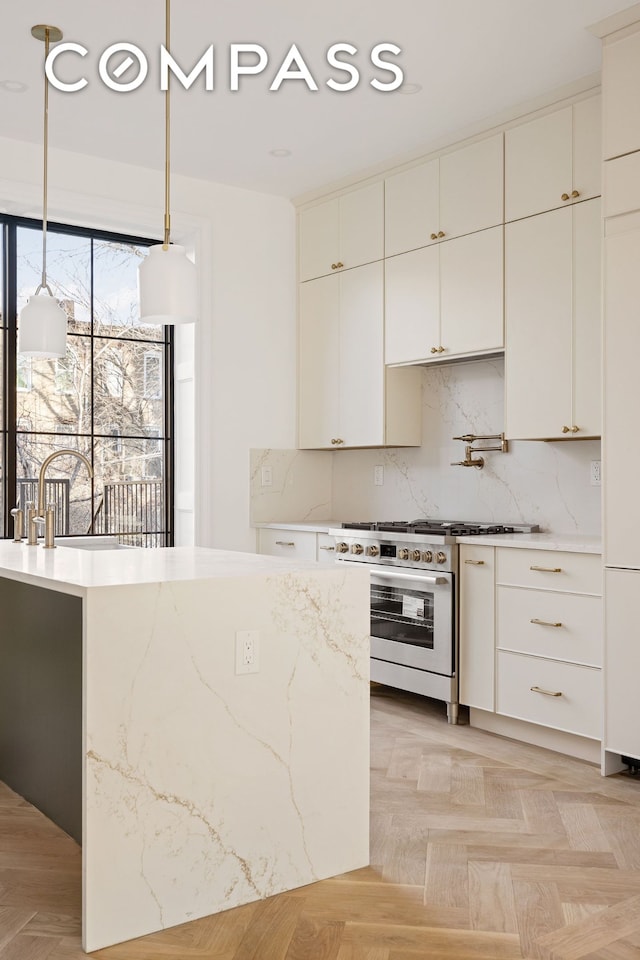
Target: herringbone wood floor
<point x="481" y="848"/>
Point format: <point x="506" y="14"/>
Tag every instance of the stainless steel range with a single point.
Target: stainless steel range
<point x="414" y="604"/>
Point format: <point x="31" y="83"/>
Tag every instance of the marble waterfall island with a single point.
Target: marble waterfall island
<point x="193" y="788"/>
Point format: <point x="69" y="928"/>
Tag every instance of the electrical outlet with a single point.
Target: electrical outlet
<point x="596" y="473"/>
<point x="378" y="476"/>
<point x="247" y="651"/>
<point x="267" y="476"/>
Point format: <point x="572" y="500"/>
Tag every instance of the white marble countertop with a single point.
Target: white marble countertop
<point x="74" y="571"/>
<point x="312" y="526"/>
<point x="567" y="543"/>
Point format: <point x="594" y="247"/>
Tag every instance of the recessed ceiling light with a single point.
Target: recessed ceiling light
<point x="13" y="86"/>
<point x="280" y="152"/>
<point x="409" y="88"/>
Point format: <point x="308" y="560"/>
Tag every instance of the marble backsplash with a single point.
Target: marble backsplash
<point x="535" y="482"/>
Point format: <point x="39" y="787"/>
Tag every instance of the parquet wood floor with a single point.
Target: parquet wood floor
<point x="481" y="849"/>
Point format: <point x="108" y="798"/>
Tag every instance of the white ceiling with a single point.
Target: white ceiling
<point x="473" y="59"/>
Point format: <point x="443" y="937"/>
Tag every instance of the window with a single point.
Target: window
<point x="23" y="379"/>
<point x="110" y="397"/>
<point x="152" y="375"/>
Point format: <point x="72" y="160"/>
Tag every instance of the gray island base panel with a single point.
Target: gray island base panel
<point x="203" y="786"/>
<point x="41" y="700"/>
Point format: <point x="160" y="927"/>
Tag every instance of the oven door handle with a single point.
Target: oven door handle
<point x="410" y="576"/>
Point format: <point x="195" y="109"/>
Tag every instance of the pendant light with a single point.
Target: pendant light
<point x="167" y="281"/>
<point x="42" y="328"/>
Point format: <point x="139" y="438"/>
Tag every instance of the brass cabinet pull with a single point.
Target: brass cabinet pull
<point x="337" y="441"/>
<point x="440" y="349"/>
<point x="285" y="543"/>
<point x="565" y="429"/>
<point x="565" y="196"/>
<point x="336" y="266"/>
<point x="434" y="349"/>
<point x="440" y="235"/>
<point x="547" y="693"/>
<point x="475" y="563"/>
<point x="545" y="623"/>
<point x="327" y="548"/>
<point x="434" y="236"/>
<point x="574" y="429"/>
<point x="547" y="569"/>
<point x="574" y="194"/>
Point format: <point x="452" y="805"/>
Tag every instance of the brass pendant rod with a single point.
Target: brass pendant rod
<point x="47" y="36"/>
<point x="167" y="144"/>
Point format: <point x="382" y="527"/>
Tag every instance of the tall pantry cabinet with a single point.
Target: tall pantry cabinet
<point x="621" y="451"/>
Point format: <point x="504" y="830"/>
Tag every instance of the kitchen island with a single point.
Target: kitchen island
<point x="130" y="716"/>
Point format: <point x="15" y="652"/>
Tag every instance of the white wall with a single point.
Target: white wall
<point x="240" y="392"/>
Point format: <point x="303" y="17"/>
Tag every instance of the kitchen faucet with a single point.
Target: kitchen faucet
<point x="48" y="517"/>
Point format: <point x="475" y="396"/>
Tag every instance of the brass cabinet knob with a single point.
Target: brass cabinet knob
<point x="440" y="349"/>
<point x="434" y="349"/>
<point x="440" y="235"/>
<point x="574" y="194"/>
<point x="336" y="266"/>
<point x="565" y="196"/>
<point x="434" y="236"/>
<point x="574" y="429"/>
<point x="565" y="429"/>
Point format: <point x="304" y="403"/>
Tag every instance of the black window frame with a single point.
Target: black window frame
<point x="9" y="226"/>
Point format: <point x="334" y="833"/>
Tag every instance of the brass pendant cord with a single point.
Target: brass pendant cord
<point x="43" y="284"/>
<point x="167" y="144"/>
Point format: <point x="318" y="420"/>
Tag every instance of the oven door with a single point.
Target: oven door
<point x="412" y="619"/>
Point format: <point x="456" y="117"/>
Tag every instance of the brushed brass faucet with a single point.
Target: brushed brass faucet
<point x="48" y="517"/>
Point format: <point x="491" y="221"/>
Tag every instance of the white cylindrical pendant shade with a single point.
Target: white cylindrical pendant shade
<point x="42" y="328"/>
<point x="167" y="286"/>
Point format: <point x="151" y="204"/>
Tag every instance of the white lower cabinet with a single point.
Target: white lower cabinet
<point x="296" y="544"/>
<point x="553" y="693"/>
<point x="531" y="638"/>
<point x="477" y="626"/>
<point x="549" y="639"/>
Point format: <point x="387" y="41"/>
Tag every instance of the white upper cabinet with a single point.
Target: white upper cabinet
<point x="445" y="300"/>
<point x="346" y="398"/>
<point x="459" y="193"/>
<point x="620" y="101"/>
<point x="553" y="161"/>
<point x="553" y="324"/>
<point x="345" y="232"/>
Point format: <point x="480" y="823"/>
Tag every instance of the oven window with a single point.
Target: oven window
<point x="402" y="614"/>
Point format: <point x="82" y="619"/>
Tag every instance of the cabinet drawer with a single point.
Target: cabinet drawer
<point x="578" y="709"/>
<point x="326" y="546"/>
<point x="554" y="625"/>
<point x="550" y="570"/>
<point x="294" y="544"/>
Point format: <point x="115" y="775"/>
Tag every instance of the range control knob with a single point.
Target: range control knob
<point x="357" y="548"/>
<point x="416" y="555"/>
<point x="342" y="547"/>
<point x="441" y="557"/>
<point x="403" y="554"/>
<point x="372" y="551"/>
<point x="427" y="556"/>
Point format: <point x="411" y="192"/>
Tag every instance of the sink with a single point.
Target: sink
<point x="93" y="543"/>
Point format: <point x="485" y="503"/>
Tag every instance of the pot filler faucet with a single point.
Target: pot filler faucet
<point x="47" y="517"/>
